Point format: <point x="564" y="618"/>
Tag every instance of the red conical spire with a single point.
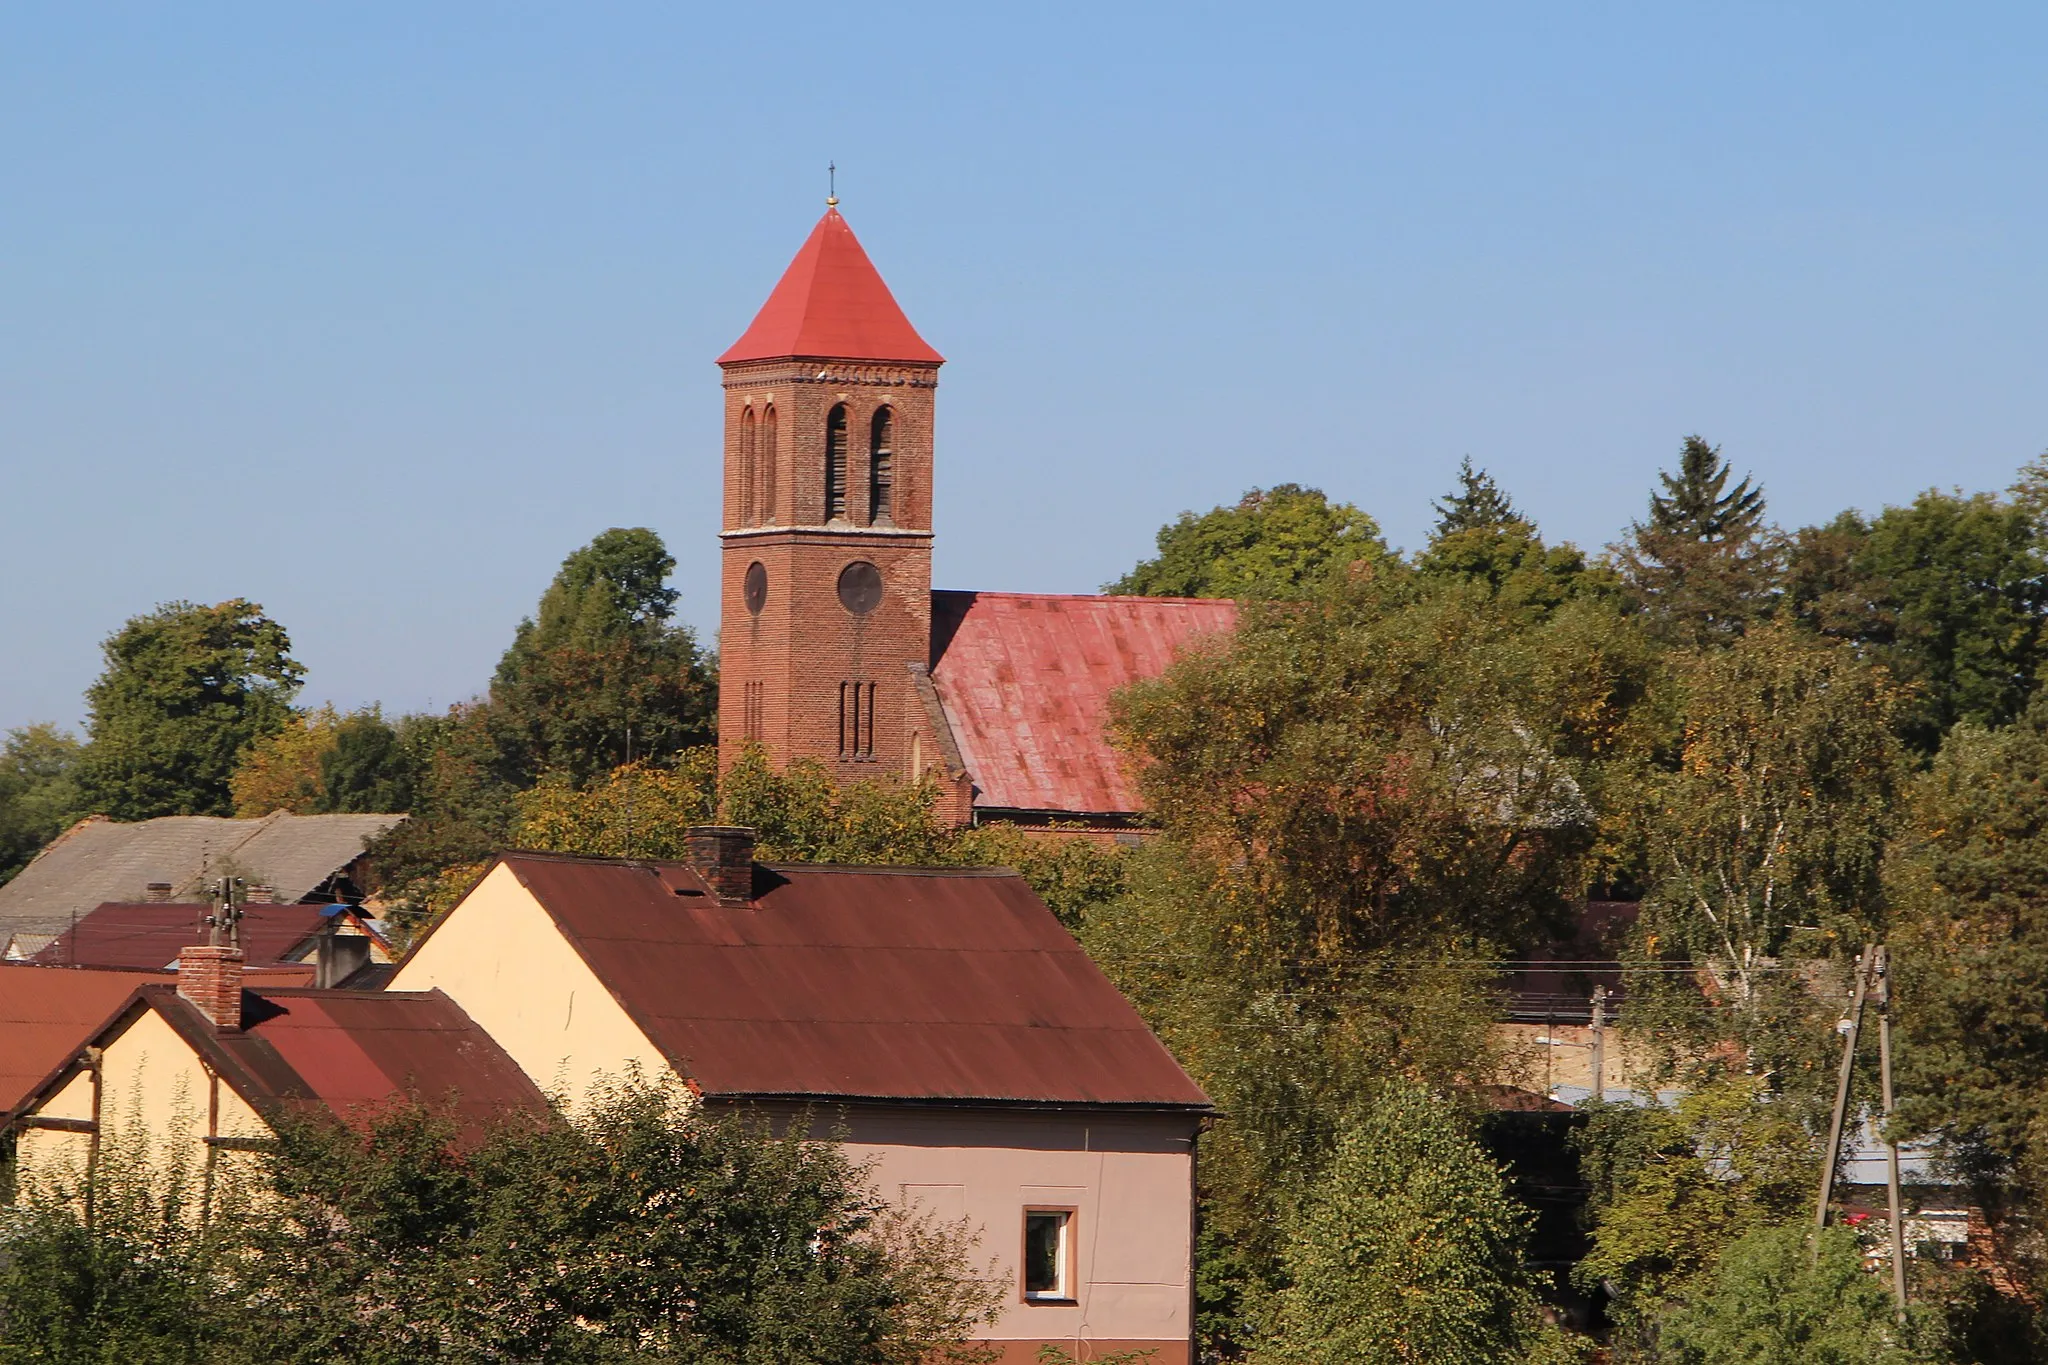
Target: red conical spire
<point x="831" y="304"/>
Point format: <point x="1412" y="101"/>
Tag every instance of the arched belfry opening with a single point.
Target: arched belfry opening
<point x="835" y="463"/>
<point x="882" y="467"/>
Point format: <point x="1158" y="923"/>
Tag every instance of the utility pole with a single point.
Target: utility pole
<point x="1891" y="1143"/>
<point x="1849" y="1028"/>
<point x="1599" y="1032"/>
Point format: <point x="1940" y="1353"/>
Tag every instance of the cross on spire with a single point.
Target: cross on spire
<point x="831" y="184"/>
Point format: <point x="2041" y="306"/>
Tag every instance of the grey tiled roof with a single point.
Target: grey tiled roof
<point x="98" y="860"/>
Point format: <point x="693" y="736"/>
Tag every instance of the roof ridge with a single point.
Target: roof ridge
<point x="1089" y="596"/>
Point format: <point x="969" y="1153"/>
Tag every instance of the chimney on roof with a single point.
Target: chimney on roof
<point x="210" y="976"/>
<point x="260" y="894"/>
<point x="157" y="893"/>
<point x="723" y="855"/>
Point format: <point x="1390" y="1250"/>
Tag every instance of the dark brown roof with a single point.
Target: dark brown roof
<point x="1025" y="681"/>
<point x="149" y="934"/>
<point x="883" y="983"/>
<point x="345" y="1051"/>
<point x="46" y="1015"/>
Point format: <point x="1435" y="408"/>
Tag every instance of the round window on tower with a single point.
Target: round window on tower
<point x="860" y="587"/>
<point x="754" y="588"/>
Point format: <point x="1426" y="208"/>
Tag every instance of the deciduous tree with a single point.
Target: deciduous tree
<point x="186" y="690"/>
<point x="1277" y="542"/>
<point x="38" y="791"/>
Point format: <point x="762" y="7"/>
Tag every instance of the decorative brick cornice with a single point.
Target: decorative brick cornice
<point x="824" y="371"/>
<point x="813" y="534"/>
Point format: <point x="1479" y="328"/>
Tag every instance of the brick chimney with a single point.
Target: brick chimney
<point x="210" y="976"/>
<point x="156" y="893"/>
<point x="260" y="894"/>
<point x="723" y="855"/>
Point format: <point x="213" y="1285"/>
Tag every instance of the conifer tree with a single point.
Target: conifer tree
<point x="1704" y="565"/>
<point x="1476" y="504"/>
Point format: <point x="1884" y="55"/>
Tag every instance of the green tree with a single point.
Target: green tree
<point x="601" y="674"/>
<point x="186" y="690"/>
<point x="1476" y="504"/>
<point x="1775" y="810"/>
<point x="1970" y="880"/>
<point x="1950" y="594"/>
<point x="1671" y="1189"/>
<point x="1277" y="542"/>
<point x="371" y="767"/>
<point x="38" y="791"/>
<point x="1770" y="1302"/>
<point x="1703" y="565"/>
<point x="1408" y="1249"/>
<point x="281" y="771"/>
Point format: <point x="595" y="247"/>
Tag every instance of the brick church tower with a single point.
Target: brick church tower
<point x="826" y="601"/>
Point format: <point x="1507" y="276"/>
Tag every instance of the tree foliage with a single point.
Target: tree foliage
<point x="1476" y="504"/>
<point x="1970" y="881"/>
<point x="601" y="673"/>
<point x="186" y="690"/>
<point x="1276" y="543"/>
<point x="643" y="1229"/>
<point x="1704" y="565"/>
<point x="281" y="771"/>
<point x="1671" y="1188"/>
<point x="38" y="791"/>
<point x="1949" y="593"/>
<point x="1408" y="1250"/>
<point x="1773" y="817"/>
<point x="1771" y="1302"/>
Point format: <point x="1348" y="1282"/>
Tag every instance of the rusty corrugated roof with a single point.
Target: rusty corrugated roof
<point x="1025" y="681"/>
<point x="882" y="983"/>
<point x="46" y="1015"/>
<point x="353" y="1050"/>
<point x="149" y="934"/>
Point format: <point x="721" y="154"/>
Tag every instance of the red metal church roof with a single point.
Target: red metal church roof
<point x="831" y="304"/>
<point x="1025" y="680"/>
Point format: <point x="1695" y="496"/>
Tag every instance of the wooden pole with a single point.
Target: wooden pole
<point x="1853" y="1023"/>
<point x="1891" y="1144"/>
<point x="1599" y="1040"/>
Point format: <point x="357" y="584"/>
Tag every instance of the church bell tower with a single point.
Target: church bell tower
<point x="826" y="603"/>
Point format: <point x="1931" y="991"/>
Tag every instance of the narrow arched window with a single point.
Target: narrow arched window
<point x="748" y="471"/>
<point x="882" y="467"/>
<point x="835" y="464"/>
<point x="767" y="501"/>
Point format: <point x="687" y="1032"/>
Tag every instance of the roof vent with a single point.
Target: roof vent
<point x="723" y="855"/>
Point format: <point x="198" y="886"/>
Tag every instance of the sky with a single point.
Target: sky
<point x="372" y="313"/>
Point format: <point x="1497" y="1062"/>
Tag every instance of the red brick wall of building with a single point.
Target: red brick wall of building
<point x="788" y="672"/>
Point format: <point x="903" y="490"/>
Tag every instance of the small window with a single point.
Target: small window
<point x="1047" y="1256"/>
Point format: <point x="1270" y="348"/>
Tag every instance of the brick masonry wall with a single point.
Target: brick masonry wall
<point x="211" y="978"/>
<point x="804" y="648"/>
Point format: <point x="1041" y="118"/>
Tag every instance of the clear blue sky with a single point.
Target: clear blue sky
<point x="372" y="312"/>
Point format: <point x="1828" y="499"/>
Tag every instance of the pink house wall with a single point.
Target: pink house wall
<point x="1128" y="1178"/>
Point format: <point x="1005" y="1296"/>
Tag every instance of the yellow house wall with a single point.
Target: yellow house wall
<point x="499" y="955"/>
<point x="1541" y="1057"/>
<point x="153" y="1101"/>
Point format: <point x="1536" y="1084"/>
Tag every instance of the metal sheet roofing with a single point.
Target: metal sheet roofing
<point x="1025" y="681"/>
<point x="883" y="983"/>
<point x="831" y="303"/>
<point x="46" y="1015"/>
<point x="353" y="1050"/>
<point x="100" y="860"/>
<point x="149" y="934"/>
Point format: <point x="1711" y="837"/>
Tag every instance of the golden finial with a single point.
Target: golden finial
<point x="831" y="185"/>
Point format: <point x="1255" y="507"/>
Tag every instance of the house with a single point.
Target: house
<point x="939" y="1022"/>
<point x="342" y="940"/>
<point x="47" y="1016"/>
<point x="833" y="645"/>
<point x="310" y="858"/>
<point x="215" y="1060"/>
